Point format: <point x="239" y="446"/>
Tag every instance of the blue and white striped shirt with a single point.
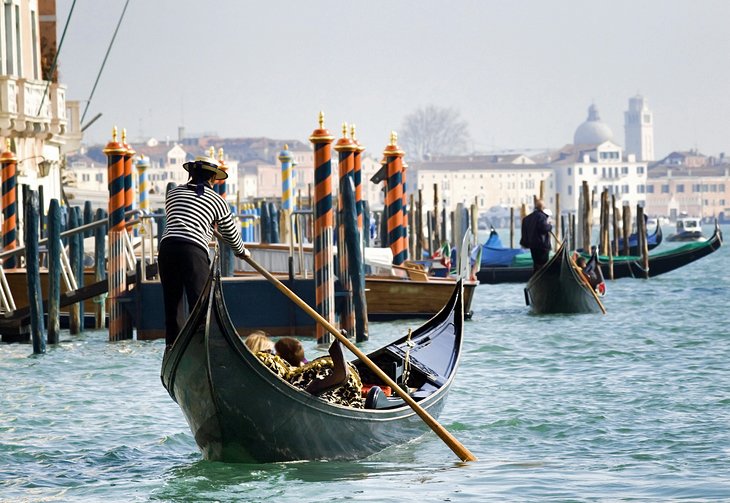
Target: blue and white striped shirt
<point x="191" y="217"/>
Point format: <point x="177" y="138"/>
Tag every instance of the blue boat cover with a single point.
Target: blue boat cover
<point x="494" y="254"/>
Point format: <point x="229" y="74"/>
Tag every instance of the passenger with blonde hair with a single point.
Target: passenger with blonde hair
<point x="258" y="342"/>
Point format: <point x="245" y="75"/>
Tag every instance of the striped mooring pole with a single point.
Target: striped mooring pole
<point x="404" y="168"/>
<point x="144" y="190"/>
<point x="285" y="157"/>
<point x="10" y="202"/>
<point x="324" y="283"/>
<point x="357" y="170"/>
<point x="128" y="178"/>
<point x="222" y="185"/>
<point x="115" y="152"/>
<point x="394" y="200"/>
<point x="346" y="149"/>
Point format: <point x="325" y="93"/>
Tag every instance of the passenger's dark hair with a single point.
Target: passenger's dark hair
<point x="290" y="350"/>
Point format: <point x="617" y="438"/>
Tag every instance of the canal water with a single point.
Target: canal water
<point x="633" y="405"/>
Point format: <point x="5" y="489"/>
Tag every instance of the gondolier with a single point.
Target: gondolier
<point x="536" y="235"/>
<point x="192" y="210"/>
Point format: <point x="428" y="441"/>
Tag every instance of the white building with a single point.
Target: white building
<point x="32" y="110"/>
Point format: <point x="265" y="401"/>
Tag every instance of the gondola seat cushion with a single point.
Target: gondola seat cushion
<point x="348" y="394"/>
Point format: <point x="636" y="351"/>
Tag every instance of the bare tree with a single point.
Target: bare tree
<point x="432" y="131"/>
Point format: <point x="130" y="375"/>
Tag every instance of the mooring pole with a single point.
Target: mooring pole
<point x="116" y="265"/>
<point x="346" y="149"/>
<point x="10" y="202"/>
<point x="32" y="265"/>
<point x="143" y="187"/>
<point x="285" y="157"/>
<point x="100" y="268"/>
<point x="356" y="271"/>
<point x="128" y="181"/>
<point x="54" y="271"/>
<point x="394" y="200"/>
<point x="74" y="315"/>
<point x="323" y="229"/>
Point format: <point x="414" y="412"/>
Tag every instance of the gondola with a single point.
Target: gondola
<point x="240" y="411"/>
<point x="652" y="241"/>
<point x="623" y="266"/>
<point x="561" y="287"/>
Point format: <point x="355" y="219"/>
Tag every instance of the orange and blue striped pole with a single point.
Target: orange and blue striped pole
<point x="115" y="152"/>
<point x="10" y="202"/>
<point x="222" y="186"/>
<point x="346" y="149"/>
<point x="323" y="228"/>
<point x="394" y="200"/>
<point x="357" y="167"/>
<point x="404" y="169"/>
<point x="285" y="157"/>
<point x="128" y="178"/>
<point x="142" y="164"/>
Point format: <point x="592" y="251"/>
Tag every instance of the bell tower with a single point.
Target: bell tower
<point x="639" y="129"/>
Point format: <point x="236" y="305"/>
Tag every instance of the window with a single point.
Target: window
<point x="625" y="170"/>
<point x="604" y="172"/>
<point x="680" y="187"/>
<point x="570" y="190"/>
<point x="580" y="171"/>
<point x="649" y="189"/>
<point x="640" y="188"/>
<point x="625" y="189"/>
<point x="595" y="170"/>
<point x="640" y="170"/>
<point x="665" y="189"/>
<point x="696" y="187"/>
<point x="570" y="170"/>
<point x="9" y="59"/>
<point x="34" y="34"/>
<point x="18" y="56"/>
<point x="721" y="187"/>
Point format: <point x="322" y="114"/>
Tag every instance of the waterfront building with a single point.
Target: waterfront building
<point x="689" y="183"/>
<point x="33" y="115"/>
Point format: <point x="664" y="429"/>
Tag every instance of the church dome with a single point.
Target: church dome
<point x="592" y="131"/>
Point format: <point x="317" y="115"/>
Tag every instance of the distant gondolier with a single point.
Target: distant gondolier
<point x="536" y="235"/>
<point x="192" y="210"/>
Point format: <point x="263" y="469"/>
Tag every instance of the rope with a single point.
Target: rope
<point x="407" y="359"/>
<point x="55" y="57"/>
<point x="88" y="102"/>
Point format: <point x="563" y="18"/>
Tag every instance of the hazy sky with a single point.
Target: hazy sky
<point x="521" y="73"/>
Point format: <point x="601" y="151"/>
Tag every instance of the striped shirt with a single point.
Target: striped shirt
<point x="191" y="217"/>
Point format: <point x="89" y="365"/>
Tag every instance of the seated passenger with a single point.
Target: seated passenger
<point x="257" y="341"/>
<point x="329" y="377"/>
<point x="291" y="350"/>
<point x="593" y="276"/>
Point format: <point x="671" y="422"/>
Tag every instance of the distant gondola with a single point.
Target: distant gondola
<point x="652" y="240"/>
<point x="240" y="411"/>
<point x="561" y="287"/>
<point x="623" y="266"/>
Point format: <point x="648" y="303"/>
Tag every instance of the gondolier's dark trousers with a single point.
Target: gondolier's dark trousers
<point x="540" y="257"/>
<point x="184" y="268"/>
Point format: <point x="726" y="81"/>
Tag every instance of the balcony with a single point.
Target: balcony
<point x="21" y="113"/>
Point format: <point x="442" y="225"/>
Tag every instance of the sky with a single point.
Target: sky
<point x="522" y="74"/>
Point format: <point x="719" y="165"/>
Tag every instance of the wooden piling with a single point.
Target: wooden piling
<point x="626" y="213"/>
<point x="54" y="271"/>
<point x="100" y="268"/>
<point x="559" y="224"/>
<point x="512" y="227"/>
<point x="586" y="218"/>
<point x="572" y="227"/>
<point x="355" y="262"/>
<point x="419" y="226"/>
<point x="74" y="320"/>
<point x="436" y="244"/>
<point x="643" y="244"/>
<point x="33" y="275"/>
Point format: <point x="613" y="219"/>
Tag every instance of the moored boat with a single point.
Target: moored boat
<point x="561" y="287"/>
<point x="240" y="411"/>
<point x="623" y="266"/>
<point x="652" y="240"/>
<point x="688" y="229"/>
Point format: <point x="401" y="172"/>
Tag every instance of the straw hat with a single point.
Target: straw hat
<point x="206" y="163"/>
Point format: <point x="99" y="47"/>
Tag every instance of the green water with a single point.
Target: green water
<point x="634" y="405"/>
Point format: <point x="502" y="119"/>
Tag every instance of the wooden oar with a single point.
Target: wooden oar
<point x="461" y="451"/>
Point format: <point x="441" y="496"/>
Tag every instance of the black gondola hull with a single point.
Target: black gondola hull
<point x="558" y="288"/>
<point x="240" y="411"/>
